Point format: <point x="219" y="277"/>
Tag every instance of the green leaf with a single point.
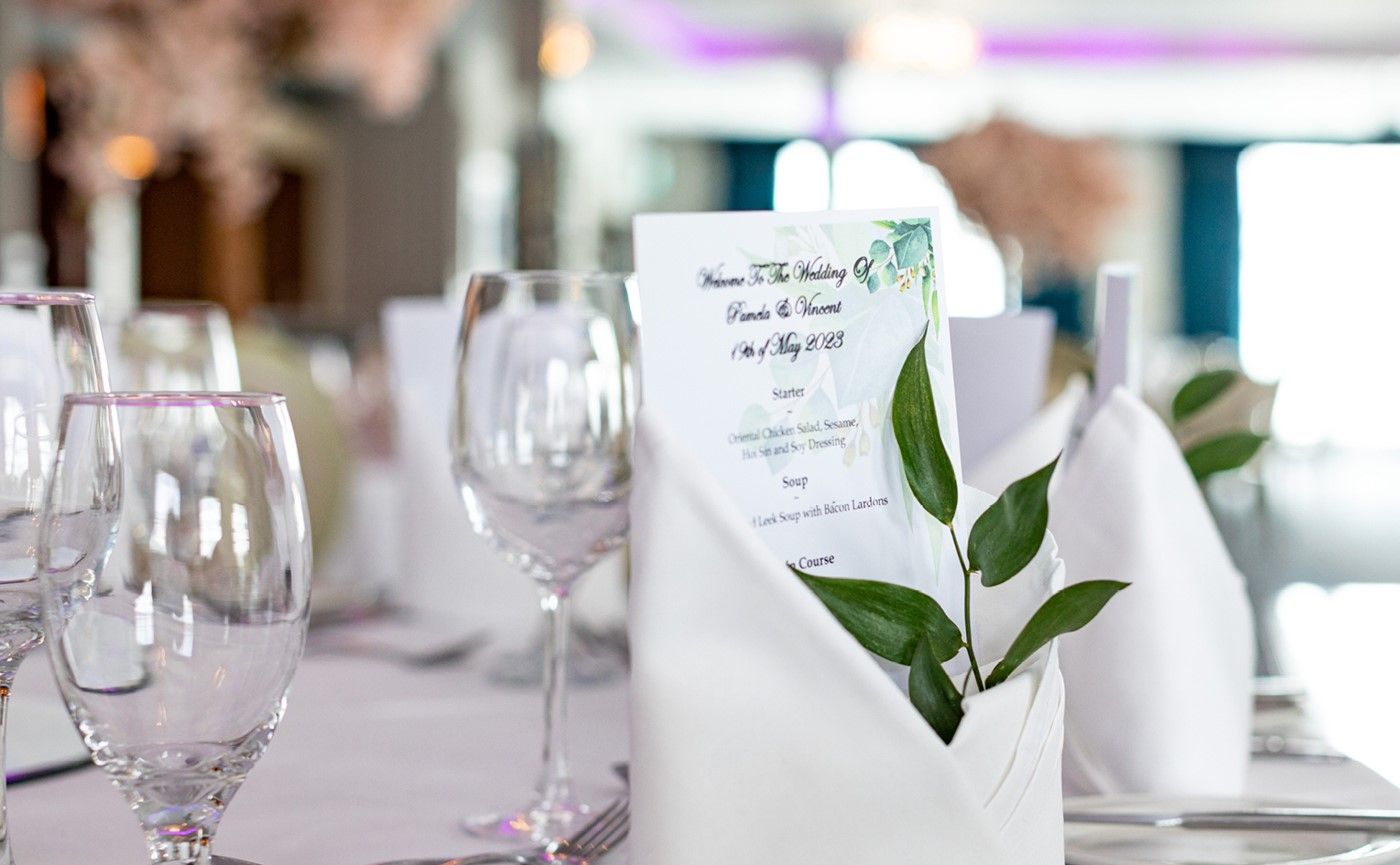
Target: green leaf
<point x="1067" y="610"/>
<point x="912" y="248"/>
<point x="926" y="464"/>
<point x="886" y="224"/>
<point x="934" y="694"/>
<point x="887" y="619"/>
<point x="908" y="225"/>
<point x="1008" y="534"/>
<point x="1223" y="453"/>
<point x="1200" y="392"/>
<point x="879" y="252"/>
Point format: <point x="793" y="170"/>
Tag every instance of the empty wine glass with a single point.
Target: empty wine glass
<point x="175" y="572"/>
<point x="50" y="345"/>
<point x="541" y="435"/>
<point x="177" y="346"/>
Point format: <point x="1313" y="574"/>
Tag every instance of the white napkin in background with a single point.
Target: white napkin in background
<point x="763" y="733"/>
<point x="1160" y="686"/>
<point x="446" y="569"/>
<point x="1033" y="445"/>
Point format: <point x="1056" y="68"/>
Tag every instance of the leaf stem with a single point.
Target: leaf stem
<point x="967" y="610"/>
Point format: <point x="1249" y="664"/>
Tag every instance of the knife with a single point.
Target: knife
<point x="1300" y="749"/>
<point x="1261" y="819"/>
<point x="47" y="771"/>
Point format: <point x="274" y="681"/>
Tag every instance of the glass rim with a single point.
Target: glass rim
<point x="178" y="399"/>
<point x="45" y="297"/>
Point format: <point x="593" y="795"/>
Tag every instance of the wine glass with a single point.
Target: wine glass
<point x="50" y="345"/>
<point x="174" y="567"/>
<point x="541" y="435"/>
<point x="178" y="346"/>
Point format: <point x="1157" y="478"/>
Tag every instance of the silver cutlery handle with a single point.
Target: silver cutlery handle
<point x="1262" y="819"/>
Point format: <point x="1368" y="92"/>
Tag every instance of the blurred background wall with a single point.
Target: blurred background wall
<point x="303" y="162"/>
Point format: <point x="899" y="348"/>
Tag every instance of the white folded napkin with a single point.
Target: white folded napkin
<point x="763" y="733"/>
<point x="1159" y="688"/>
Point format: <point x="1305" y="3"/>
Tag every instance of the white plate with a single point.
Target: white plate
<point x="1087" y="844"/>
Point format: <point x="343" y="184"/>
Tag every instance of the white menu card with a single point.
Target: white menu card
<point x="771" y="343"/>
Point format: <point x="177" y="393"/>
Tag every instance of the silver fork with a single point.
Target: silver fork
<point x="596" y="839"/>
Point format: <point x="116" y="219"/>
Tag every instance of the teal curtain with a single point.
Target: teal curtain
<point x="1210" y="239"/>
<point x="751" y="172"/>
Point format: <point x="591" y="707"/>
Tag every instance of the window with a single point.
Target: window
<point x="801" y="177"/>
<point x="866" y="174"/>
<point x="1319" y="292"/>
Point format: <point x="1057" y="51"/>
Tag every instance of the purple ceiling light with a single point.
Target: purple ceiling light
<point x="661" y="25"/>
<point x="1130" y="46"/>
<point x="664" y="25"/>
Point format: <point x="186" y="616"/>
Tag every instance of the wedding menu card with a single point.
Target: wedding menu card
<point x="771" y="343"/>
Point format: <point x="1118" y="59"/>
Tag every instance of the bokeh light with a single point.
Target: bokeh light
<point x="24" y="124"/>
<point x="132" y="157"/>
<point x="930" y="42"/>
<point x="566" y="48"/>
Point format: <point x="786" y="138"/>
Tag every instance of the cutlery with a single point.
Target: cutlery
<point x="1279" y="692"/>
<point x="335" y="618"/>
<point x="439" y="656"/>
<point x="596" y="839"/>
<point x="1262" y="819"/>
<point x="23" y="776"/>
<point x="1300" y="749"/>
<point x="604" y="640"/>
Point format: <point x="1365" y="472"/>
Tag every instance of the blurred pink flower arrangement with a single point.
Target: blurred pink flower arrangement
<point x="198" y="76"/>
<point x="1053" y="195"/>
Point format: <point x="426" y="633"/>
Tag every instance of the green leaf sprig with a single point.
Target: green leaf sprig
<point x="1223" y="453"/>
<point x="906" y="626"/>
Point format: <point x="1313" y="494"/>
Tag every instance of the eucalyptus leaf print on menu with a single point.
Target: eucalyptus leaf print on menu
<point x="902" y="259"/>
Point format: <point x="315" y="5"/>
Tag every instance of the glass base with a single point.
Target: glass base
<point x="228" y="861"/>
<point x="535" y="824"/>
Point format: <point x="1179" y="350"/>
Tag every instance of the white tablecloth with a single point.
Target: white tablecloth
<point x="377" y="762"/>
<point x="373" y="761"/>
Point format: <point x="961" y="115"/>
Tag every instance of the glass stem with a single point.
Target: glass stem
<point x="556" y="787"/>
<point x="193" y="850"/>
<point x="7" y="677"/>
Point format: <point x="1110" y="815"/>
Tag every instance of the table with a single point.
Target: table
<point x="376" y="761"/>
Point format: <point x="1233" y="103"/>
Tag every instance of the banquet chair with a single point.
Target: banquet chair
<point x="1000" y="365"/>
<point x="447" y="569"/>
